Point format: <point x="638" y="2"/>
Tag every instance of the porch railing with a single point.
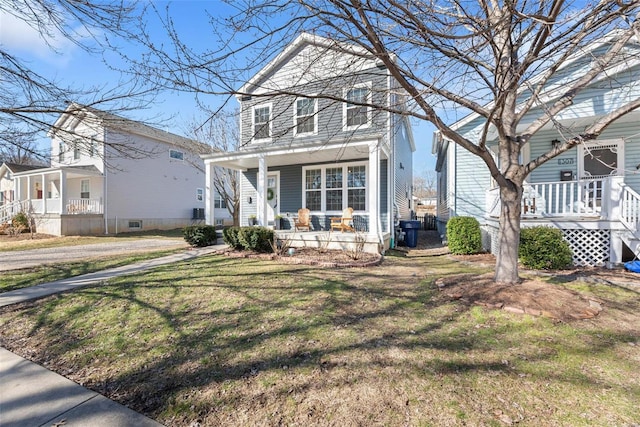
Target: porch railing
<point x="630" y="209"/>
<point x="559" y="199"/>
<point x="9" y="210"/>
<point x="84" y="206"/>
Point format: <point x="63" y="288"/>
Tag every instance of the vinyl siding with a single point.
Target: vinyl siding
<point x="404" y="173"/>
<point x="384" y="195"/>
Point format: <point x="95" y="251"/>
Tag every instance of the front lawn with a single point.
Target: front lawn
<point x="220" y="341"/>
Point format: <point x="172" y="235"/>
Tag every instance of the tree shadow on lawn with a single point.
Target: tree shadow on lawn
<point x="328" y="328"/>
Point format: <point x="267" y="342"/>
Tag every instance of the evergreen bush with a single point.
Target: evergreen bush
<point x="256" y="238"/>
<point x="463" y="235"/>
<point x="200" y="235"/>
<point x="230" y="237"/>
<point x="544" y="248"/>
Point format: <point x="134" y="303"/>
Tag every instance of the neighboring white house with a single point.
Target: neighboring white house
<point x="309" y="151"/>
<point x="590" y="192"/>
<point x="109" y="175"/>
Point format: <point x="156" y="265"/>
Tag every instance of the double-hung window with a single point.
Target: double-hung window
<point x="76" y="150"/>
<point x="61" y="149"/>
<point x="262" y="122"/>
<point x="219" y="202"/>
<point x="357" y="114"/>
<point x="84" y="189"/>
<point x="334" y="188"/>
<point x="305" y="116"/>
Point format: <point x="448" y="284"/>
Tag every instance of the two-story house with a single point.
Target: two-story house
<point x="313" y="136"/>
<point x="111" y="175"/>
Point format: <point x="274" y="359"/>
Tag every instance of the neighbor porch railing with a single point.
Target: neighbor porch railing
<point x="630" y="209"/>
<point x="9" y="210"/>
<point x="580" y="198"/>
<point x="84" y="206"/>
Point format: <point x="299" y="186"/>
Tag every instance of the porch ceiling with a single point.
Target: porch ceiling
<point x="298" y="154"/>
<point x="71" y="172"/>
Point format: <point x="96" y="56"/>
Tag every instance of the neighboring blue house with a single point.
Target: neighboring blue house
<point x="301" y="148"/>
<point x="590" y="192"/>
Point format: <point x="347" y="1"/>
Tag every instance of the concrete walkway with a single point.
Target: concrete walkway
<point x="33" y="396"/>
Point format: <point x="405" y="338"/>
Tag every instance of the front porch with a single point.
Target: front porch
<point x="333" y="240"/>
<point x="600" y="218"/>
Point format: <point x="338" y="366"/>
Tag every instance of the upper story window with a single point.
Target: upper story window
<point x="199" y="194"/>
<point x="262" y="122"/>
<point x="357" y="115"/>
<point x="76" y="150"/>
<point x="92" y="147"/>
<point x="305" y="116"/>
<point x="61" y="149"/>
<point x="219" y="202"/>
<point x="175" y="154"/>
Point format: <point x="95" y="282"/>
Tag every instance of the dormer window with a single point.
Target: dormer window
<point x="305" y="116"/>
<point x="356" y="114"/>
<point x="76" y="150"/>
<point x="262" y="122"/>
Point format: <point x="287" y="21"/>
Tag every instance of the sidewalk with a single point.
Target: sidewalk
<point x="33" y="396"/>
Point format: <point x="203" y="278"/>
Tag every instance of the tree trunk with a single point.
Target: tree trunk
<point x="509" y="235"/>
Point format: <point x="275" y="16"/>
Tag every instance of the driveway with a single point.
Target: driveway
<point x="15" y="260"/>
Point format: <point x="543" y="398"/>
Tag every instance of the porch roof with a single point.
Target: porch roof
<point x="297" y="153"/>
<point x="71" y="171"/>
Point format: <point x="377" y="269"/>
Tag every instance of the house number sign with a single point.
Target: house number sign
<point x="566" y="161"/>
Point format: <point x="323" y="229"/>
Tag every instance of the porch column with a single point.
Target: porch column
<point x="44" y="193"/>
<point x="612" y="203"/>
<point x="63" y="192"/>
<point x="374" y="188"/>
<point x="261" y="200"/>
<point x="209" y="195"/>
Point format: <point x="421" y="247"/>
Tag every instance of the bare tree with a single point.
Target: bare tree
<point x="21" y="149"/>
<point x="450" y="58"/>
<point x="30" y="101"/>
<point x="424" y="184"/>
<point x="219" y="132"/>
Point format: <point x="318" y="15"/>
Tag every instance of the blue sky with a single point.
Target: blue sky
<point x="75" y="67"/>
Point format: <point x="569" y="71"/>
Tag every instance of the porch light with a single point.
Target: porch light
<point x="555" y="143"/>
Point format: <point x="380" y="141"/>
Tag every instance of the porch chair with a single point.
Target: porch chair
<point x="344" y="222"/>
<point x="302" y="221"/>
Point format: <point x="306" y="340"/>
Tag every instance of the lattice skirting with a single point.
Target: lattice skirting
<point x="590" y="247"/>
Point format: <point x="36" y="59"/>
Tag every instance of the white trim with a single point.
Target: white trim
<point x="345" y="189"/>
<point x="618" y="142"/>
<point x="253" y="122"/>
<point x="345" y="92"/>
<point x="315" y="116"/>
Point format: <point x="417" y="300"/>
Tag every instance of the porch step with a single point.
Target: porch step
<point x="632" y="240"/>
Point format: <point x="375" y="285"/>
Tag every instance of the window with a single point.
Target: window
<point x="84" y="189"/>
<point x="219" y="221"/>
<point x="357" y="115"/>
<point x="135" y="225"/>
<point x="199" y="194"/>
<point x="61" y="149"/>
<point x="76" y="150"/>
<point x="175" y="154"/>
<point x="356" y="187"/>
<point x="92" y="147"/>
<point x="219" y="202"/>
<point x="262" y="122"/>
<point x="313" y="189"/>
<point x="335" y="188"/>
<point x="305" y="116"/>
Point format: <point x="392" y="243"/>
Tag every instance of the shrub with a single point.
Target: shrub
<point x="20" y="222"/>
<point x="200" y="235"/>
<point x="463" y="235"/>
<point x="230" y="237"/>
<point x="543" y="248"/>
<point x="256" y="238"/>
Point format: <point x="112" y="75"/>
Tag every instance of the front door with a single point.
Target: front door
<point x="273" y="197"/>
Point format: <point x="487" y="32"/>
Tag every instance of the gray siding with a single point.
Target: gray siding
<point x="384" y="195"/>
<point x="403" y="173"/>
<point x="330" y="112"/>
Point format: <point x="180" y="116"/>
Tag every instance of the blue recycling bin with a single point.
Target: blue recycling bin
<point x="410" y="229"/>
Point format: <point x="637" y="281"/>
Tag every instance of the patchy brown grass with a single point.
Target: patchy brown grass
<point x="220" y="341"/>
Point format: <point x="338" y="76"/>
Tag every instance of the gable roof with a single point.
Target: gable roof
<point x="298" y="43"/>
<point x="78" y="112"/>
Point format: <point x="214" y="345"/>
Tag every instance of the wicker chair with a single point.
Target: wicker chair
<point x="343" y="223"/>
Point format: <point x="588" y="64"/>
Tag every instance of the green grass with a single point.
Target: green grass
<point x="246" y="342"/>
<point x="18" y="279"/>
